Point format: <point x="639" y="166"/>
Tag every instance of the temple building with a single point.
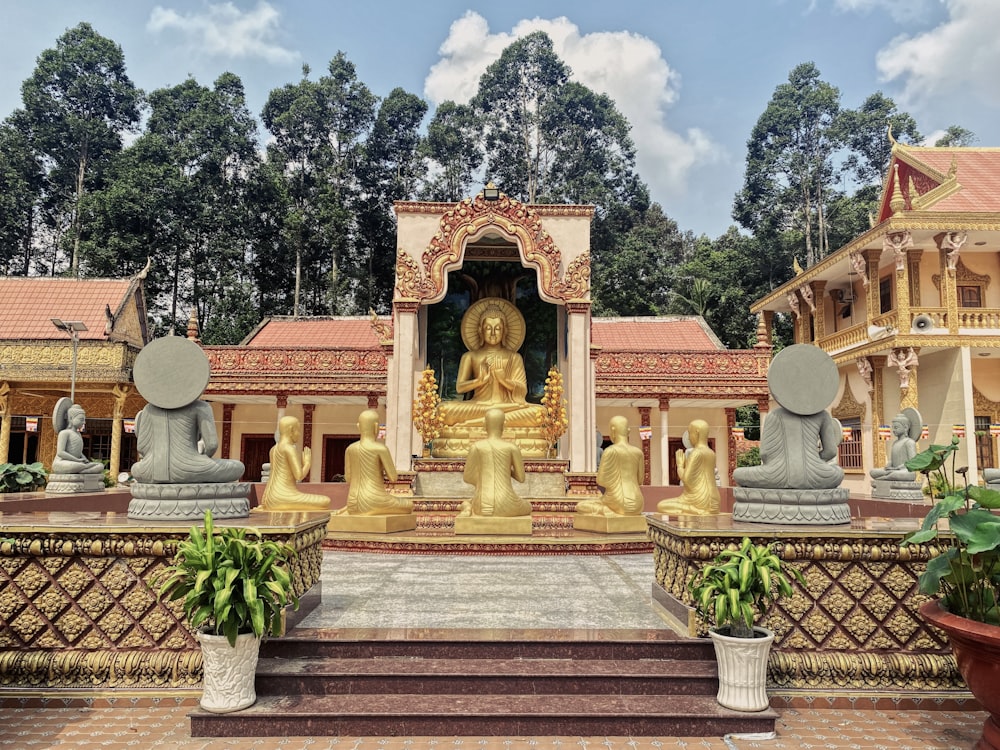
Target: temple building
<point x="61" y="335"/>
<point x="909" y="311"/>
<point x="659" y="372"/>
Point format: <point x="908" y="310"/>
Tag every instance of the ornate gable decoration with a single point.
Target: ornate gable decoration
<point x="471" y="219"/>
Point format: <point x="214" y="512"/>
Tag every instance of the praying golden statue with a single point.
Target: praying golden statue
<point x="287" y="467"/>
<point x="696" y="469"/>
<point x="367" y="463"/>
<point x="491" y="375"/>
<point x="492" y="370"/>
<point x="620" y="474"/>
<point x="491" y="465"/>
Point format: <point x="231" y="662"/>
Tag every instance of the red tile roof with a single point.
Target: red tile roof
<point x="27" y="305"/>
<point x="977" y="171"/>
<point x="328" y="333"/>
<point x="687" y="333"/>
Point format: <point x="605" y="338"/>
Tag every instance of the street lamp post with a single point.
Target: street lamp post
<point x="73" y="328"/>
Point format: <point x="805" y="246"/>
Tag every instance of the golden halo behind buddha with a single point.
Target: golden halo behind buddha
<point x="513" y="328"/>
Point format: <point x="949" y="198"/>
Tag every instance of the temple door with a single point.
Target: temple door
<point x="255" y="452"/>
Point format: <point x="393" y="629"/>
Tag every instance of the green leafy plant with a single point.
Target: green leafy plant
<point x="739" y="584"/>
<point x="22" y="477"/>
<point x="232" y="581"/>
<point x="966" y="573"/>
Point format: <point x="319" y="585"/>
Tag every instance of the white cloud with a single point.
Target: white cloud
<point x="899" y="10"/>
<point x="625" y="66"/>
<point x="224" y="30"/>
<point x="960" y="54"/>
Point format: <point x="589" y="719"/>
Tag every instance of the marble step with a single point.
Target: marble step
<point x="400" y="675"/>
<point x="500" y="643"/>
<point x="388" y="715"/>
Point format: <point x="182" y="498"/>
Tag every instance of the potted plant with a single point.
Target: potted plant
<point x="234" y="585"/>
<point x="965" y="576"/>
<point x="733" y="591"/>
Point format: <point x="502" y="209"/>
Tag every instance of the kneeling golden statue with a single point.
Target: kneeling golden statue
<point x="490" y="467"/>
<point x="281" y="492"/>
<point x="493" y="372"/>
<point x="367" y="464"/>
<point x="696" y="469"/>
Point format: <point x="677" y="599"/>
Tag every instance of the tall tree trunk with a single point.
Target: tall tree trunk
<point x="80" y="174"/>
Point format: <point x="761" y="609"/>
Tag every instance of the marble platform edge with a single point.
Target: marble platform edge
<point x="509" y="635"/>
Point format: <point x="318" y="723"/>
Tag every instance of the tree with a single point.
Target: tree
<point x="956" y="135"/>
<point x="21" y="183"/>
<point x="511" y="103"/>
<point x="789" y="164"/>
<point x="390" y="170"/>
<point x="865" y="132"/>
<point x="453" y="148"/>
<point x="635" y="275"/>
<point x="318" y="132"/>
<point x="720" y="280"/>
<point x="78" y="102"/>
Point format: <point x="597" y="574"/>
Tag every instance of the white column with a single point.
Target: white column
<point x="580" y="397"/>
<point x="399" y="406"/>
<point x="664" y="478"/>
<point x="968" y="400"/>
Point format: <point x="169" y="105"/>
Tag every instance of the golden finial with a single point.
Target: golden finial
<point x="953" y="169"/>
<point x="192" y="328"/>
<point x="796" y="267"/>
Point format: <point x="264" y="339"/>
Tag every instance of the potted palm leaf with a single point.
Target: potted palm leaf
<point x="234" y="586"/>
<point x="733" y="591"/>
<point x="964" y="576"/>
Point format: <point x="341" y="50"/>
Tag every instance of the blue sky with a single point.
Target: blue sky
<point x="692" y="76"/>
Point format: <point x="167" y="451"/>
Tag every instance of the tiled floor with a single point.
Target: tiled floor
<point x="166" y="727"/>
<point x="381" y="591"/>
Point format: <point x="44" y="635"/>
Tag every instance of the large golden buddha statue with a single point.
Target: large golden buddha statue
<point x="493" y="373"/>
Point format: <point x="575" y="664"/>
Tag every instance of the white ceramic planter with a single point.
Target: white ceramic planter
<point x="743" y="670"/>
<point x="228" y="683"/>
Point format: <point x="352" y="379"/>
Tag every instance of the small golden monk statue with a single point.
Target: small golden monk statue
<point x="490" y="466"/>
<point x="288" y="467"/>
<point x="620" y="474"/>
<point x="367" y="464"/>
<point x="696" y="469"/>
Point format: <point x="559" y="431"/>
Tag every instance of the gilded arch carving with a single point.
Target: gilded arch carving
<point x="468" y="221"/>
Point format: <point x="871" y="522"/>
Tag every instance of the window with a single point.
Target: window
<point x="984" y="444"/>
<point x="970" y="296"/>
<point x="849" y="451"/>
<point x="885" y="294"/>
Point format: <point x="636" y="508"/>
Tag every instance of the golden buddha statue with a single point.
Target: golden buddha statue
<point x="287" y="467"/>
<point x="367" y="463"/>
<point x="493" y="373"/>
<point x="696" y="469"/>
<point x="620" y="474"/>
<point x="490" y="466"/>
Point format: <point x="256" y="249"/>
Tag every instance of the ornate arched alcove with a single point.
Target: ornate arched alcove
<point x="551" y="242"/>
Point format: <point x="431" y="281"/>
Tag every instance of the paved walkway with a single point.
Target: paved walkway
<point x="428" y="591"/>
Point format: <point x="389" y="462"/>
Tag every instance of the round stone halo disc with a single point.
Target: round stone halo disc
<point x="171" y="372"/>
<point x="803" y="379"/>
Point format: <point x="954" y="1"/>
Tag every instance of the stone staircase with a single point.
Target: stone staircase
<point x="484" y="683"/>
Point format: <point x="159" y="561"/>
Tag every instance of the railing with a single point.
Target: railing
<point x="979" y="318"/>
